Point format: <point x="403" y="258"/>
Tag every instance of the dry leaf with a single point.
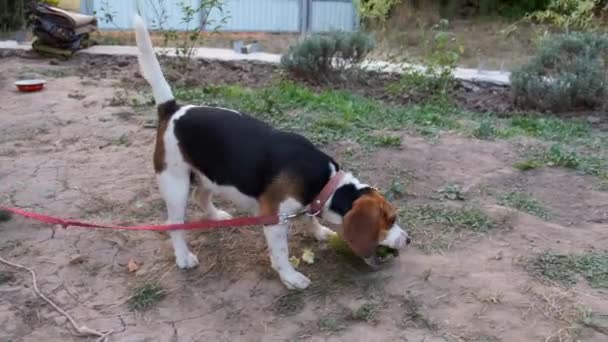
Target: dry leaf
<point x="132" y="266"/>
<point x="308" y="256"/>
<point x="76" y="259"/>
<point x="294" y="261"/>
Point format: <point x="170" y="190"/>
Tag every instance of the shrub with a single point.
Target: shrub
<point x="376" y="11"/>
<point x="14" y="15"/>
<point x="568" y="73"/>
<point x="324" y="56"/>
<point x="568" y="14"/>
<point x="435" y="74"/>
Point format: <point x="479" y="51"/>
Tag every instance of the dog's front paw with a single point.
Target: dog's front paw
<point x="295" y="280"/>
<point x="186" y="261"/>
<point x="323" y="233"/>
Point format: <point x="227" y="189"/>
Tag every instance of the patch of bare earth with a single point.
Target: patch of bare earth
<point x="67" y="151"/>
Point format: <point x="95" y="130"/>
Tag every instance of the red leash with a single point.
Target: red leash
<point x="202" y="225"/>
<point x="315" y="208"/>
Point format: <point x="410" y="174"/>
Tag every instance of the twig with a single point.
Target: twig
<point x="82" y="330"/>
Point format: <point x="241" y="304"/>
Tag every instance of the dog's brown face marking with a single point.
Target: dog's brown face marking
<point x="367" y="223"/>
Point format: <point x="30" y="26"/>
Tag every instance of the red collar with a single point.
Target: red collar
<point x="317" y="204"/>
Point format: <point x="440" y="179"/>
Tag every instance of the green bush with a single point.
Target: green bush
<point x="14" y="13"/>
<point x="568" y="14"/>
<point x="568" y="73"/>
<point x="325" y="56"/>
<point x="375" y="11"/>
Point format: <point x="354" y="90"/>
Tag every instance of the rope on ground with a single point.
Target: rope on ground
<point x="81" y="330"/>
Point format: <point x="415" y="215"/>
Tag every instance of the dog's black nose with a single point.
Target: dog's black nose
<point x="408" y="240"/>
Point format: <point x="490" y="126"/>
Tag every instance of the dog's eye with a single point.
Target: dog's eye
<point x="392" y="218"/>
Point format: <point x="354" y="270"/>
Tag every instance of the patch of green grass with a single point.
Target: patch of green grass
<point x="466" y="218"/>
<point x="386" y="140"/>
<point x="485" y="131"/>
<point x="546" y="128"/>
<point x="367" y="312"/>
<point x="602" y="185"/>
<point x="413" y="313"/>
<point x="436" y="228"/>
<point x="331" y="115"/>
<point x="560" y="156"/>
<point x="123" y="140"/>
<point x="399" y="181"/>
<point x="566" y="268"/>
<point x="596" y="321"/>
<point x="331" y="324"/>
<point x="324" y="116"/>
<point x="528" y="164"/>
<point x="524" y="202"/>
<point x="146" y="296"/>
<point x="5" y="216"/>
<point x="120" y="98"/>
<point x="290" y="303"/>
<point x="452" y="192"/>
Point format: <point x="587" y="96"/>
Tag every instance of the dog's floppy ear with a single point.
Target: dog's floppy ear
<point x="361" y="226"/>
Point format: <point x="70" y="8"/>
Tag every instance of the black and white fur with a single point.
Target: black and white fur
<point x="237" y="157"/>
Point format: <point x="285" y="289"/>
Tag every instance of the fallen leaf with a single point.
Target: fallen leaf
<point x="76" y="259"/>
<point x="294" y="261"/>
<point x="308" y="256"/>
<point x="132" y="266"/>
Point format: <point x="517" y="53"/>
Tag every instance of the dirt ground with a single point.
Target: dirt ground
<point x="72" y="150"/>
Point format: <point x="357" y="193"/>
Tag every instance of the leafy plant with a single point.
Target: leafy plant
<point x="375" y="11"/>
<point x="567" y="14"/>
<point x="435" y="75"/>
<point x="17" y="14"/>
<point x="568" y="72"/>
<point x="186" y="40"/>
<point x="325" y="56"/>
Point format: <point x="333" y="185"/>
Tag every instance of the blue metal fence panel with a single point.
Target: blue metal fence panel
<point x="259" y="15"/>
<point x="150" y="10"/>
<point x="242" y="15"/>
<point x="328" y="15"/>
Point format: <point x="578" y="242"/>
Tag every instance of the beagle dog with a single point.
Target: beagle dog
<point x="259" y="168"/>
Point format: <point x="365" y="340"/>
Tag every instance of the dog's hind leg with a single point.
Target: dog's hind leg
<point x="203" y="197"/>
<point x="319" y="231"/>
<point x="174" y="184"/>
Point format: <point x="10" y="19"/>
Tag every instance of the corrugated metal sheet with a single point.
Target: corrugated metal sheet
<point x="242" y="15"/>
<point x="332" y="15"/>
<point x="260" y="15"/>
<point x="122" y="13"/>
<point x="151" y="12"/>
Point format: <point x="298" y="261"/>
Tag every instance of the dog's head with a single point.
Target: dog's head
<point x="369" y="222"/>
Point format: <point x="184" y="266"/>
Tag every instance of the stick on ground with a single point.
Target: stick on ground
<point x="81" y="330"/>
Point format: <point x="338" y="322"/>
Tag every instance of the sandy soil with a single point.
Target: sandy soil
<point x="67" y="151"/>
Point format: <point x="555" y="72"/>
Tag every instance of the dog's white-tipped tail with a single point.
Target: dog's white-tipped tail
<point x="148" y="63"/>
